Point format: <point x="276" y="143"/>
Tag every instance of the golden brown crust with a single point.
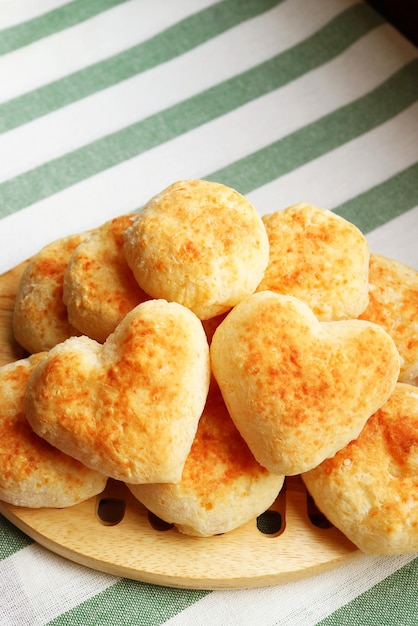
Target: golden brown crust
<point x="198" y="243"/>
<point x="99" y="287"/>
<point x="222" y="485"/>
<point x="32" y="472"/>
<point x="369" y="489"/>
<point x="318" y="257"/>
<point x="393" y="304"/>
<point x="130" y="407"/>
<point x="40" y="319"/>
<point x="298" y="389"/>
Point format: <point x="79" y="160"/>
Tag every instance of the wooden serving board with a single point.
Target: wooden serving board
<point x="114" y="533"/>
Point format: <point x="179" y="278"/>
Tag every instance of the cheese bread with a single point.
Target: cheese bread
<point x="393" y="304"/>
<point x="40" y="318"/>
<point x="99" y="287"/>
<point x="222" y="485"/>
<point x="369" y="489"/>
<point x="318" y="257"/>
<point x="32" y="472"/>
<point x="198" y="243"/>
<point x="128" y="408"/>
<point x="299" y="389"/>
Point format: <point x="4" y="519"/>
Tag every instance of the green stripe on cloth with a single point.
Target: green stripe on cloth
<point x="383" y="202"/>
<point x="136" y="139"/>
<point x="172" y="42"/>
<point x="324" y="135"/>
<point x="11" y="539"/>
<point x="394" y="602"/>
<point x="58" y="19"/>
<point x="130" y="602"/>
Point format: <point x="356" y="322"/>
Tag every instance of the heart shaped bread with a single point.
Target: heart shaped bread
<point x="198" y="243"/>
<point x="99" y="287"/>
<point x="222" y="486"/>
<point x="298" y="389"/>
<point x="130" y="407"/>
<point x="318" y="257"/>
<point x="369" y="489"/>
<point x="32" y="472"/>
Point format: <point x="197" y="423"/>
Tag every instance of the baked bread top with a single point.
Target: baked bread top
<point x="32" y="472"/>
<point x="40" y="319"/>
<point x="393" y="304"/>
<point x="222" y="485"/>
<point x="318" y="257"/>
<point x="369" y="489"/>
<point x="299" y="389"/>
<point x="99" y="287"/>
<point x="128" y="408"/>
<point x="198" y="243"/>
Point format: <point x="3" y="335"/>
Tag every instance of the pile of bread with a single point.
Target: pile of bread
<point x="200" y="353"/>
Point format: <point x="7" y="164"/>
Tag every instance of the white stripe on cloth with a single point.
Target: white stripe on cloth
<point x="397" y="239"/>
<point x="88" y="42"/>
<point x="348" y="170"/>
<point x="78" y="124"/>
<point x="318" y="597"/>
<point x="59" y="586"/>
<point x="13" y="12"/>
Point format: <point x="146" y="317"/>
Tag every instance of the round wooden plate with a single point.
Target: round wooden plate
<point x="114" y="533"/>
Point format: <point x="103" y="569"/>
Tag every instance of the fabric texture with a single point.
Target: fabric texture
<point x="103" y="103"/>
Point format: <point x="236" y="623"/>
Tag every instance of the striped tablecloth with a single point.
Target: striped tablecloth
<point x="103" y="103"/>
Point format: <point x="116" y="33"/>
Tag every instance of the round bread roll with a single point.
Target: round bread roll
<point x="318" y="257"/>
<point x="40" y="319"/>
<point x="128" y="408"/>
<point x="393" y="304"/>
<point x="299" y="389"/>
<point x="222" y="485"/>
<point x="99" y="287"/>
<point x="198" y="243"/>
<point x="32" y="472"/>
<point x="369" y="489"/>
